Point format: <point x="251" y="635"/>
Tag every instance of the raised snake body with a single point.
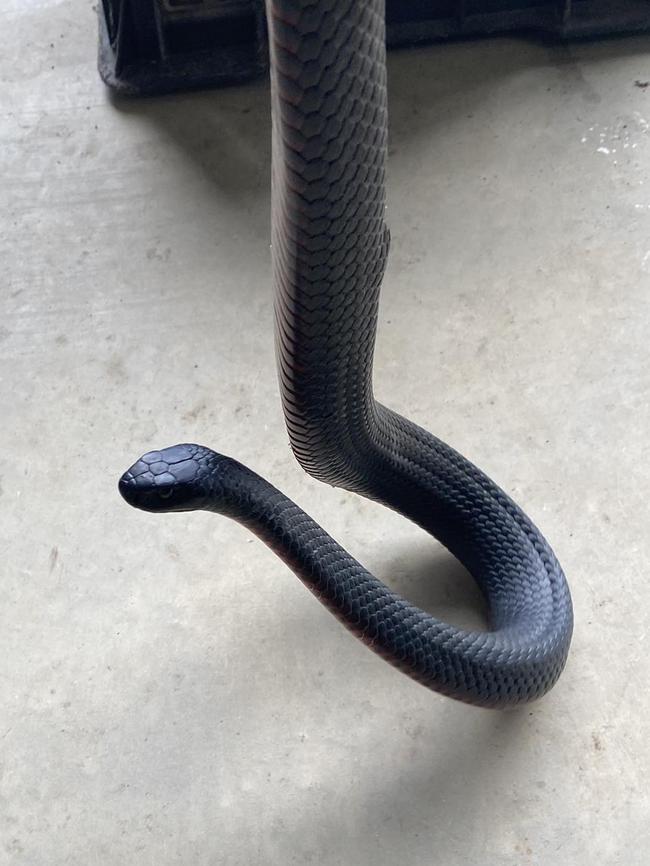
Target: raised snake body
<point x="330" y="242"/>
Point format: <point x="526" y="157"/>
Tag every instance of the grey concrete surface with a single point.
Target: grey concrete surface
<point x="169" y="692"/>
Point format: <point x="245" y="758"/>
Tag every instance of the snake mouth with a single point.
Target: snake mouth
<point x="156" y="493"/>
<point x="138" y="487"/>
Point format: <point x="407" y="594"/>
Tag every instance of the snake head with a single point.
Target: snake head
<point x="173" y="479"/>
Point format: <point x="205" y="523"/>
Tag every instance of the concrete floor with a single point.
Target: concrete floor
<point x="169" y="692"/>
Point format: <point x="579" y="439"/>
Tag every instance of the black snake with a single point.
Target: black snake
<point x="330" y="243"/>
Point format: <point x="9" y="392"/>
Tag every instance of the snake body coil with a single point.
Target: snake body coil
<point x="330" y="243"/>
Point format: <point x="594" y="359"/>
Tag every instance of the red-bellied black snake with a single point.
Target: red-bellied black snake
<point x="330" y="243"/>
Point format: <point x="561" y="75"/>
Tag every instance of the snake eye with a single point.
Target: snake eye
<point x="164" y="482"/>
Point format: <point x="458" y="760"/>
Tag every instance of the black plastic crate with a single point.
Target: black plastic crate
<point x="156" y="46"/>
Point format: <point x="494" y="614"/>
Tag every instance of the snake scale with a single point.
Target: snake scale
<point x="329" y="248"/>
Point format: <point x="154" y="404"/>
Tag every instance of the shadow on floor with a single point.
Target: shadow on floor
<point x="228" y="131"/>
<point x="431" y="578"/>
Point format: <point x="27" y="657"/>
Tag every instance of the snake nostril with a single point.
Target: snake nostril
<point x="126" y="481"/>
<point x="127" y="486"/>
